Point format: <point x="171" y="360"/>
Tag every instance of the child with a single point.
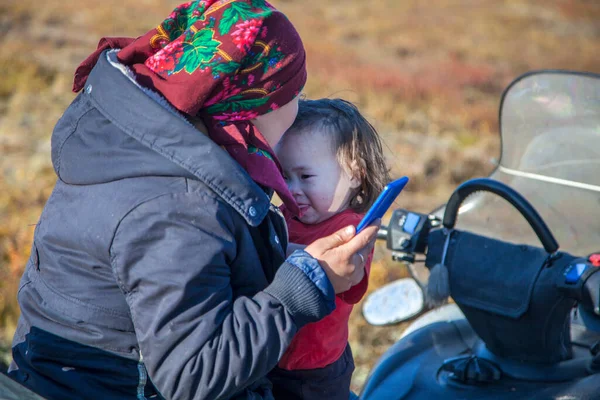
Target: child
<point x="334" y="166"/>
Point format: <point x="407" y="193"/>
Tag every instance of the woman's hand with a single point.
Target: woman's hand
<point x="342" y="255"/>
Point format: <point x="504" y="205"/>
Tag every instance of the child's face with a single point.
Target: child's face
<point x="319" y="184"/>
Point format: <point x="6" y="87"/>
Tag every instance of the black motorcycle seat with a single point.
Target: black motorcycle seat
<point x="412" y="369"/>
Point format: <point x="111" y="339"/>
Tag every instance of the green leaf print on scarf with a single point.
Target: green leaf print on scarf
<point x="259" y="4"/>
<point x="271" y="59"/>
<point x="235" y="104"/>
<point x="200" y="50"/>
<point x="255" y="150"/>
<point x="226" y="68"/>
<point x="235" y="12"/>
<point x="184" y="19"/>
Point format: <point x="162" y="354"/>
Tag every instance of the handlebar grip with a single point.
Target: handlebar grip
<point x="382" y="233"/>
<point x="507" y="193"/>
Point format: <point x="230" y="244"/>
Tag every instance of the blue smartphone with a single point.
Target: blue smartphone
<point x="383" y="202"/>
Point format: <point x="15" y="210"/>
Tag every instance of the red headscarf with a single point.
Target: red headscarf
<point x="227" y="61"/>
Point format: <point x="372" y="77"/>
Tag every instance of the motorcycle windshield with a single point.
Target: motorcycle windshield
<point x="550" y="131"/>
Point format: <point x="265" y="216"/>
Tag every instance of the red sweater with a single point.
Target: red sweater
<point x="319" y="344"/>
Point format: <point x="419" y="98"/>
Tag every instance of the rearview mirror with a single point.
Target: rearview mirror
<point x="394" y="303"/>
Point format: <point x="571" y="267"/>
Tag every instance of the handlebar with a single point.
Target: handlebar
<point x="507" y="193"/>
<point x="382" y="233"/>
<point x="407" y="235"/>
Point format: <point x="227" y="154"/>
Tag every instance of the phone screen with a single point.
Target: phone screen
<point x="383" y="202"/>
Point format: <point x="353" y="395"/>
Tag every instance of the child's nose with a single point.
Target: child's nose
<point x="294" y="186"/>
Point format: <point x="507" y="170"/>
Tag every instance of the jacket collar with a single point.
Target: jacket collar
<point x="169" y="134"/>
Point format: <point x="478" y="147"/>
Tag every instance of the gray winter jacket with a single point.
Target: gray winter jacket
<point x="157" y="250"/>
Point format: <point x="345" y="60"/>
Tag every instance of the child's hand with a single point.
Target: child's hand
<point x="343" y="254"/>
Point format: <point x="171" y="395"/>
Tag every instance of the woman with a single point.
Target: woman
<point x="158" y="265"/>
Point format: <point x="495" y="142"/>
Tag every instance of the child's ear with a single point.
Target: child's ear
<point x="355" y="181"/>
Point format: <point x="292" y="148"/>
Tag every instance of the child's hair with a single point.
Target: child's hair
<point x="355" y="141"/>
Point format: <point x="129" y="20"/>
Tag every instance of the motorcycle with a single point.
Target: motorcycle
<point x="524" y="321"/>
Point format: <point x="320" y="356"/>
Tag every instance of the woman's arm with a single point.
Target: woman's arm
<point x="171" y="258"/>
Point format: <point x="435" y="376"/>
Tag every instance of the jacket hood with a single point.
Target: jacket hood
<point x="116" y="130"/>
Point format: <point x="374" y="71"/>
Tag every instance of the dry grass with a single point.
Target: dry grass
<point x="428" y="76"/>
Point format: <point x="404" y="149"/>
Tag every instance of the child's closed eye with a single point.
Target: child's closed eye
<point x="306" y="176"/>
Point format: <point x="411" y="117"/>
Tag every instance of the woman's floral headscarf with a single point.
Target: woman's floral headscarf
<point x="226" y="61"/>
